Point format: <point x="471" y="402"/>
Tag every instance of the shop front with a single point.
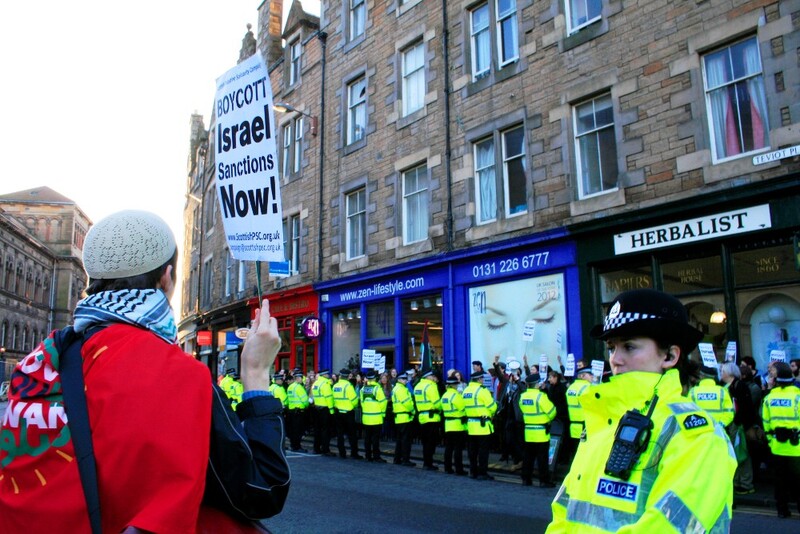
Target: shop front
<point x="297" y="313"/>
<point x="731" y="257"/>
<point x="513" y="299"/>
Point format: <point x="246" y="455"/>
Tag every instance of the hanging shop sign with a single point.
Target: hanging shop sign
<point x="203" y="338"/>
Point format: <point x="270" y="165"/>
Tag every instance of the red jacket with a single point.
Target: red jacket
<point x="149" y="408"/>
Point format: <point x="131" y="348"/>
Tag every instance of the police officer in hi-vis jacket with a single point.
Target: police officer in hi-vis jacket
<point x="780" y="412"/>
<point x="480" y="407"/>
<point x="652" y="460"/>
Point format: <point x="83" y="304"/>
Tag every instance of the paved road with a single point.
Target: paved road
<point x="354" y="497"/>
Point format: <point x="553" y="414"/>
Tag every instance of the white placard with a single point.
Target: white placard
<point x="598" y="366"/>
<point x="528" y="330"/>
<point x="368" y="359"/>
<point x="730" y="352"/>
<point x="543" y="367"/>
<point x="707" y="353"/>
<point x="569" y="370"/>
<point x="777" y="356"/>
<point x="246" y="163"/>
<point x="380" y="363"/>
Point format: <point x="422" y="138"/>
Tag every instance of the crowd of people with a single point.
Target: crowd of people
<point x="748" y="420"/>
<point x="509" y="409"/>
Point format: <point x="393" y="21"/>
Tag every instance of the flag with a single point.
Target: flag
<point x="426" y="363"/>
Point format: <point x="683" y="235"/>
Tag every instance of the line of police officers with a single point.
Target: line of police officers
<point x="466" y="418"/>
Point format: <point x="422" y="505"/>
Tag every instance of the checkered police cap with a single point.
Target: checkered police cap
<point x="645" y="312"/>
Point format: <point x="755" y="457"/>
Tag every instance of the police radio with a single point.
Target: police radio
<point x="630" y="441"/>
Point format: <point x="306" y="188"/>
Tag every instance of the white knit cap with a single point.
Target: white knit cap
<point x="127" y="243"/>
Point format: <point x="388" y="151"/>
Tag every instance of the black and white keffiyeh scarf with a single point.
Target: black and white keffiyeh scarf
<point x="146" y="308"/>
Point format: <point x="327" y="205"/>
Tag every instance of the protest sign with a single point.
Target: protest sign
<point x="777" y="356"/>
<point x="570" y="368"/>
<point x="246" y="171"/>
<point x="598" y="366"/>
<point x="543" y="365"/>
<point x="367" y="359"/>
<point x="730" y="352"/>
<point x="528" y="330"/>
<point x="707" y="354"/>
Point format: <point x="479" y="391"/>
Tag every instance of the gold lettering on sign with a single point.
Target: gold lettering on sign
<point x="618" y="285"/>
<point x="768" y="264"/>
<point x="691" y="276"/>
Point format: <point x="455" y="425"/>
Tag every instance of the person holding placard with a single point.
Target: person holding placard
<point x="646" y="444"/>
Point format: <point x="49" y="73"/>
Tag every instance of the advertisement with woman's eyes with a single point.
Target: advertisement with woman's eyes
<point x="519" y="318"/>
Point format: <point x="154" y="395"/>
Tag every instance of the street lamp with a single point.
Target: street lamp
<point x="283" y="107"/>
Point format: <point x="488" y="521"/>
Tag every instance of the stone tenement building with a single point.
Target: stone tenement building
<point x="41" y="276"/>
<point x="486" y="176"/>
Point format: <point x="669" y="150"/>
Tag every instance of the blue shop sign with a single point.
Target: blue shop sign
<point x="525" y="261"/>
<point x="388" y="288"/>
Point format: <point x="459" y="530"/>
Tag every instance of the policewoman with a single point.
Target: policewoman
<point x="780" y="412"/>
<point x="652" y="460"/>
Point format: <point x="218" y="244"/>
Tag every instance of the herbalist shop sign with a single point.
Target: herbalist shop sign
<point x="692" y="230"/>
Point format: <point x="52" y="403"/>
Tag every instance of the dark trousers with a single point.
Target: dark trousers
<point x="513" y="438"/>
<point x="787" y="473"/>
<point x="346" y="426"/>
<point x="372" y="441"/>
<point x="322" y="430"/>
<point x="538" y="452"/>
<point x="402" y="448"/>
<point x="478" y="450"/>
<point x="295" y="426"/>
<point x="454" y="450"/>
<point x="429" y="433"/>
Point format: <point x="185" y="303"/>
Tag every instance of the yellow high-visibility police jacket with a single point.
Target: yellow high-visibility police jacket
<point x="322" y="393"/>
<point x="682" y="482"/>
<point x="344" y="396"/>
<point x="296" y="396"/>
<point x="480" y="407"/>
<point x="402" y="404"/>
<point x="453" y="411"/>
<point x="781" y="410"/>
<point x="233" y="389"/>
<point x="574" y="391"/>
<point x="278" y="392"/>
<point x="714" y="399"/>
<point x="429" y="405"/>
<point x="537" y="412"/>
<point x="373" y="404"/>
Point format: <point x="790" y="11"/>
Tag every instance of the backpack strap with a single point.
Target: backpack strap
<point x="71" y="370"/>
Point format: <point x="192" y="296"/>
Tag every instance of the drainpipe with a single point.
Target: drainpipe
<point x="447" y="150"/>
<point x="323" y="39"/>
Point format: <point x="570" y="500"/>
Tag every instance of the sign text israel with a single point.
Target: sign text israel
<point x="246" y="174"/>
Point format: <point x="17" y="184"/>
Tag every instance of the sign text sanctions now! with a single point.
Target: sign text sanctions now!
<point x="248" y="188"/>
